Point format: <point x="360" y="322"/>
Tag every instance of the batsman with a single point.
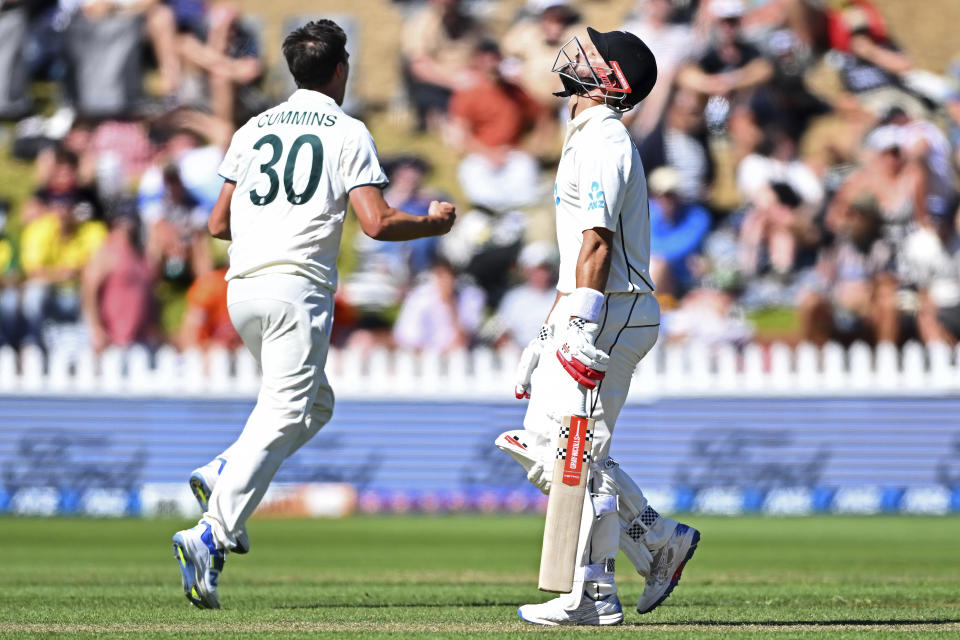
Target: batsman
<point x="603" y="323"/>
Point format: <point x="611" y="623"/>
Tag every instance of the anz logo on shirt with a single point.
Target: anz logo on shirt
<point x="596" y="197"/>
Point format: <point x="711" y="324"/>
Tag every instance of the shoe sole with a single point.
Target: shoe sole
<point x="676" y="574"/>
<point x="201" y="491"/>
<point x="189" y="576"/>
<point x="609" y="619"/>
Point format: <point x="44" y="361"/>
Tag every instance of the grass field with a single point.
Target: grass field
<point x="463" y="577"/>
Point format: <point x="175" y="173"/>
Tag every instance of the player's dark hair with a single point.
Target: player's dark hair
<point x="313" y="52"/>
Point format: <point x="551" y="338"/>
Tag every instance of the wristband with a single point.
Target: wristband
<point x="586" y="303"/>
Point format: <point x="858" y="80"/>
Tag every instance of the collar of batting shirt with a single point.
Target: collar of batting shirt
<point x="596" y="113"/>
<point x="307" y="95"/>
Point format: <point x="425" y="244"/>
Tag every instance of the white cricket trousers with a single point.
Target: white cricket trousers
<point x="629" y="325"/>
<point x="285" y="321"/>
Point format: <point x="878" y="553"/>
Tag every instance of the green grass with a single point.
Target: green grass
<point x="445" y="577"/>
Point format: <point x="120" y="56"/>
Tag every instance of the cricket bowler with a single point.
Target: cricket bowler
<point x="288" y="175"/>
<point x="604" y="322"/>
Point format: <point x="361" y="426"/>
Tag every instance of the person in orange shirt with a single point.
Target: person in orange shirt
<point x="488" y="120"/>
<point x="207" y="322"/>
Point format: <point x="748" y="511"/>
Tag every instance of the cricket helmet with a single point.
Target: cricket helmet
<point x="627" y="77"/>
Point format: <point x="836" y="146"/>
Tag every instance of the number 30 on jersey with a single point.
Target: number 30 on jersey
<point x="276" y="145"/>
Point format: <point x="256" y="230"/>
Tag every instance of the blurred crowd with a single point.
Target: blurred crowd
<point x="835" y="207"/>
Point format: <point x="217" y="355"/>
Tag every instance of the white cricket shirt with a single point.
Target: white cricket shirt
<point x="294" y="165"/>
<point x="600" y="183"/>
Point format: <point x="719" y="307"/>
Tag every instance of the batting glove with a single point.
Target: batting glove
<point x="529" y="360"/>
<point x="582" y="360"/>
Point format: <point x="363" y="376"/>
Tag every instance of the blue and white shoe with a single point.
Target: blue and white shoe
<point x="667" y="566"/>
<point x="202" y="481"/>
<point x="589" y="612"/>
<point x="201" y="563"/>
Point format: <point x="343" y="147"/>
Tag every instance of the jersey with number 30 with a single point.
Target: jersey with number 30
<point x="294" y="166"/>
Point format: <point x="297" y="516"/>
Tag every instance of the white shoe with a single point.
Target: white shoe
<point x="202" y="482"/>
<point x="200" y="564"/>
<point x="606" y="611"/>
<point x="667" y="565"/>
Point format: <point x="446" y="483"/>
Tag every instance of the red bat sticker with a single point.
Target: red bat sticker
<point x="573" y="466"/>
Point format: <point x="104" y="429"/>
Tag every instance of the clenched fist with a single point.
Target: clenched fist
<point x="444" y="214"/>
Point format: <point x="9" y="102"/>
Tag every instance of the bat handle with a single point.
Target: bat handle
<point x="581" y="407"/>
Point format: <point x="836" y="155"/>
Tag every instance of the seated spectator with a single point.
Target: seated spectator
<point x="924" y="143"/>
<point x="117" y="287"/>
<point x="931" y="264"/>
<point x="783" y="197"/>
<point x="438" y="42"/>
<point x="15" y="27"/>
<point x="54" y="249"/>
<point x="677" y="231"/>
<point x="708" y="317"/>
<point x="77" y="141"/>
<point x="102" y="48"/>
<point x="484" y="245"/>
<point x="525" y="307"/>
<point x="11" y="324"/>
<point x="853" y="294"/>
<point x="488" y="121"/>
<point x="673" y="45"/>
<point x="728" y="73"/>
<point x="786" y="102"/>
<point x="440" y="314"/>
<point x="158" y="23"/>
<point x="61" y="189"/>
<point x="531" y="46"/>
<point x="218" y="63"/>
<point x="874" y="68"/>
<point x="805" y="18"/>
<point x="178" y="191"/>
<point x="898" y="185"/>
<point x="121" y="151"/>
<point x="206" y="322"/>
<point x="681" y="142"/>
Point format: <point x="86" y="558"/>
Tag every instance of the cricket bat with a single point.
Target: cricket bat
<point x="565" y="504"/>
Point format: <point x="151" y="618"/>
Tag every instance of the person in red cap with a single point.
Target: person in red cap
<point x="604" y="321"/>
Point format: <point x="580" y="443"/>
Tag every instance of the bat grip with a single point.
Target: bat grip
<point x="581" y="407"/>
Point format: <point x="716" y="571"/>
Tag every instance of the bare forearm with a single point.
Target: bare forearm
<point x="693" y="78"/>
<point x="755" y="73"/>
<point x="887" y="59"/>
<point x="426" y="70"/>
<point x="89" y="293"/>
<point x="219" y="222"/>
<point x="593" y="263"/>
<point x="382" y="222"/>
<point x="397" y="226"/>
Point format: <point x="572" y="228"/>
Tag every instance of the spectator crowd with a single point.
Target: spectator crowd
<point x="840" y="206"/>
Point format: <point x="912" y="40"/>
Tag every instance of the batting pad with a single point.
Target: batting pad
<point x="640" y="524"/>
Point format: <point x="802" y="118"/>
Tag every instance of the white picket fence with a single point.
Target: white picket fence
<point x="669" y="371"/>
